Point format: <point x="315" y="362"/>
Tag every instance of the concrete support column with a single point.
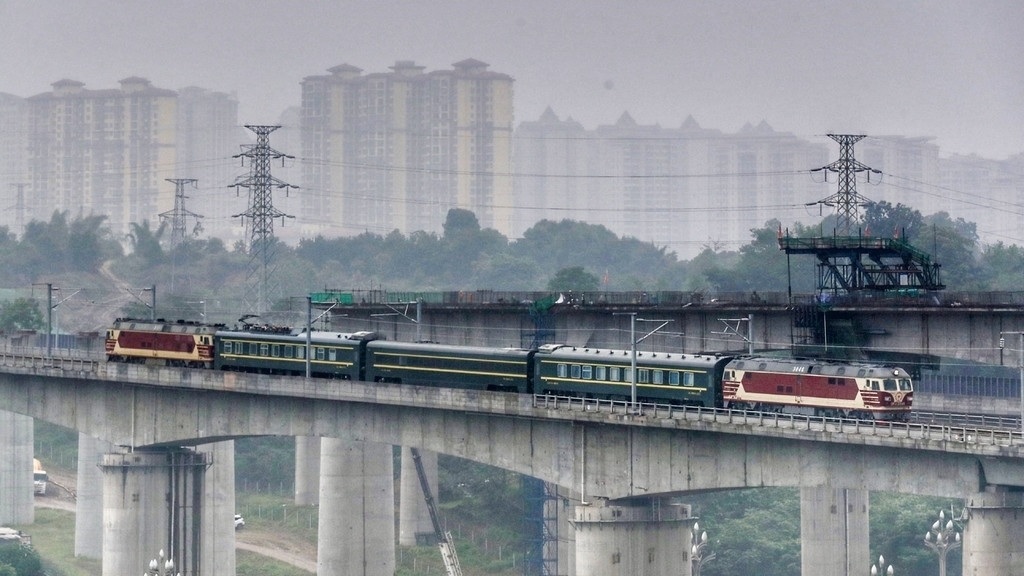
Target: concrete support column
<point x="648" y="539"/>
<point x="89" y="497"/>
<point x="414" y="525"/>
<point x="356" y="534"/>
<point x="994" y="534"/>
<point x="16" y="493"/>
<point x="834" y="531"/>
<point x="217" y="555"/>
<point x="564" y="509"/>
<point x="307" y="470"/>
<point x="152" y="501"/>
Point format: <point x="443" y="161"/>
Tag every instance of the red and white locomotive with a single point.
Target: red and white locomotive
<point x="816" y="387"/>
<point x="161" y="343"/>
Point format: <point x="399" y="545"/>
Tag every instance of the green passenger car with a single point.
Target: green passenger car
<point x="465" y="367"/>
<point x="332" y="354"/>
<point x="668" y="378"/>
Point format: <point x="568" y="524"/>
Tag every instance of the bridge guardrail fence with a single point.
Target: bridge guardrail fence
<point x="923" y="431"/>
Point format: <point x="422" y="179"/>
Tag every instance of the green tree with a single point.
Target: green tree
<point x="145" y="241"/>
<point x="574" y="278"/>
<point x="7" y="570"/>
<point x="23" y="559"/>
<point x="20" y="314"/>
<point x="882" y="219"/>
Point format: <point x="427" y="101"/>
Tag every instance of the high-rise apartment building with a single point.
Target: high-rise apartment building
<point x="683" y="188"/>
<point x="208" y="135"/>
<point x="398" y="149"/>
<point x="13" y="153"/>
<point x="102" y="151"/>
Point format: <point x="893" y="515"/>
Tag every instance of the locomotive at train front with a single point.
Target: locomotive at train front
<point x="817" y="387"/>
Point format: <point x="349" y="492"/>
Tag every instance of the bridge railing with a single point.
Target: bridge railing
<point x="914" y="430"/>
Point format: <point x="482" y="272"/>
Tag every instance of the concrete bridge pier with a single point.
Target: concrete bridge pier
<point x="994" y="534"/>
<point x="646" y="537"/>
<point x="414" y="525"/>
<point x="89" y="497"/>
<point x="307" y="470"/>
<point x="356" y="535"/>
<point x="16" y="494"/>
<point x="562" y="508"/>
<point x="834" y="531"/>
<point x="152" y="501"/>
<point x="217" y="555"/>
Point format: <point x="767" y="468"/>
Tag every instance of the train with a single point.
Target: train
<point x="860" y="390"/>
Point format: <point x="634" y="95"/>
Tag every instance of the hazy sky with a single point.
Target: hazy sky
<point x="952" y="69"/>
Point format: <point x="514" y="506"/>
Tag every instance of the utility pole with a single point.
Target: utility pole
<point x="261" y="214"/>
<point x="846" y="200"/>
<point x="180" y="214"/>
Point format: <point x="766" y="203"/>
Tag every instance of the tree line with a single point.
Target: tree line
<point x="551" y="255"/>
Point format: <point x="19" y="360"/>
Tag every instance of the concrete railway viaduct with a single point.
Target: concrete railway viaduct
<point x="630" y="468"/>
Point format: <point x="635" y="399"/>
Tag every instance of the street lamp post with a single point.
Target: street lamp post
<point x="942" y="537"/>
<point x="881" y="568"/>
<point x="1020" y="362"/>
<point x="161" y="567"/>
<point x="699" y="553"/>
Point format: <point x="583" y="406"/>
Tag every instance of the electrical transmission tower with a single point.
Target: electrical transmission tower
<point x="19" y="207"/>
<point x="846" y="200"/>
<point x="178" y="217"/>
<point x="180" y="214"/>
<point x="261" y="213"/>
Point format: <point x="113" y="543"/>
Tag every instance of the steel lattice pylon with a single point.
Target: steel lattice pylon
<point x="261" y="214"/>
<point x="180" y="214"/>
<point x="846" y="199"/>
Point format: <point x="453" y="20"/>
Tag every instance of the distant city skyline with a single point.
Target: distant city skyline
<point x="948" y="70"/>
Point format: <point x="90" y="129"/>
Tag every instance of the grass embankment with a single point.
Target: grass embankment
<point x="482" y="550"/>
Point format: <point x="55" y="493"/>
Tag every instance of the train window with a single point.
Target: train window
<point x="874" y="385"/>
<point x="289" y="351"/>
<point x="575" y="370"/>
<point x="332" y="354"/>
<point x="264" y="350"/>
<point x="614" y="373"/>
<point x="588" y="372"/>
<point x="832" y="381"/>
<point x="226" y="345"/>
<point x="600" y="373"/>
<point x="275" y="350"/>
<point x="319" y="353"/>
<point x="403" y="360"/>
<point x="673" y="378"/>
<point x="905" y="385"/>
<point x="563" y="370"/>
<point x="659" y="377"/>
<point x="300" y="352"/>
<point x="687" y="378"/>
<point x="890" y="384"/>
